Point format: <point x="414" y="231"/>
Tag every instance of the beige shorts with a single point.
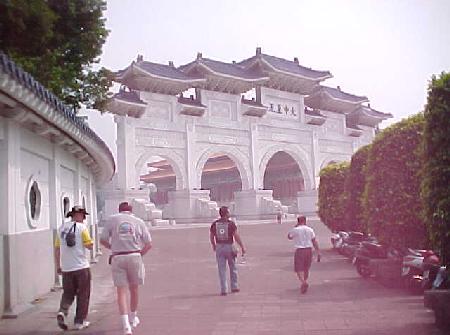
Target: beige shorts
<point x="128" y="270"/>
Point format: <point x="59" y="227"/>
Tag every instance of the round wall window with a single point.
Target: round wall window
<point x="33" y="203"/>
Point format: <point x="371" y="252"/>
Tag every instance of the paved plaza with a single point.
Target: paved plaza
<point x="181" y="293"/>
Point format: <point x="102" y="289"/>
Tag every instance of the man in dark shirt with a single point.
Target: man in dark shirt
<point x="223" y="232"/>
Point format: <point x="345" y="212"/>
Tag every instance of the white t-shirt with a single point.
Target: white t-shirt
<point x="73" y="258"/>
<point x="302" y="236"/>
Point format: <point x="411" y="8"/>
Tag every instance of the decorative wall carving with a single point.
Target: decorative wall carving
<point x="334" y="146"/>
<point x="158" y="110"/>
<point x="220" y="109"/>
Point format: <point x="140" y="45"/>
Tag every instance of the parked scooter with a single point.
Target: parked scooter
<point x="351" y="243"/>
<point x="415" y="264"/>
<point x="435" y="276"/>
<point x="368" y="251"/>
<point x="338" y="239"/>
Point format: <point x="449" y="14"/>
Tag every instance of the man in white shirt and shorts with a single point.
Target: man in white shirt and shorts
<point x="304" y="240"/>
<point x="129" y="239"/>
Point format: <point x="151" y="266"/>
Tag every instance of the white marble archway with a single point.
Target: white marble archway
<point x="176" y="161"/>
<point x="297" y="153"/>
<point x="240" y="160"/>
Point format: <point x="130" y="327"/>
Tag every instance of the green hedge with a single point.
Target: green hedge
<point x="436" y="182"/>
<point x="332" y="198"/>
<point x="354" y="188"/>
<point x="391" y="199"/>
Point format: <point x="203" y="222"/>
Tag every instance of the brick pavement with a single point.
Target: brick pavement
<point x="181" y="294"/>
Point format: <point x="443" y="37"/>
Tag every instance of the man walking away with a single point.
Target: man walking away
<point x="304" y="239"/>
<point x="72" y="262"/>
<point x="223" y="232"/>
<point x="129" y="239"/>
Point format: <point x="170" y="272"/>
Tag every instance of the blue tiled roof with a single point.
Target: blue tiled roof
<point x="338" y="94"/>
<point x="285" y="65"/>
<point x="228" y="69"/>
<point x="27" y="80"/>
<point x="163" y="70"/>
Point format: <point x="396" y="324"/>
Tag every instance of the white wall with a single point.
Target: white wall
<point x="26" y="157"/>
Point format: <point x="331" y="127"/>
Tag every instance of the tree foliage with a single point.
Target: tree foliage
<point x="436" y="182"/>
<point x="58" y="41"/>
<point x="392" y="205"/>
<point x="354" y="188"/>
<point x="332" y="197"/>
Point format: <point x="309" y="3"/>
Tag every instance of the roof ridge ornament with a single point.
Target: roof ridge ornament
<point x="199" y="55"/>
<point x="296" y="60"/>
<point x="139" y="58"/>
<point x="171" y="63"/>
<point x="258" y="51"/>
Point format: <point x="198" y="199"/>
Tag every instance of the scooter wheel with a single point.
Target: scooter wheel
<point x="363" y="270"/>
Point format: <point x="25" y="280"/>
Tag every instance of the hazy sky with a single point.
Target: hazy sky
<point x="384" y="49"/>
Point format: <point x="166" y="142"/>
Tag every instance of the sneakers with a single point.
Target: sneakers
<point x="223" y="294"/>
<point x="60" y="318"/>
<point x="127" y="330"/>
<point x="135" y="322"/>
<point x="235" y="290"/>
<point x="80" y="326"/>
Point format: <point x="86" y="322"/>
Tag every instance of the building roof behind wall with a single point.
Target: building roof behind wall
<point x="68" y="129"/>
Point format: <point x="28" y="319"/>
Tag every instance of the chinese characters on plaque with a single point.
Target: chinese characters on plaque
<point x="282" y="109"/>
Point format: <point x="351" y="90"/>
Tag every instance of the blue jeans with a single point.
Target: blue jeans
<point x="224" y="255"/>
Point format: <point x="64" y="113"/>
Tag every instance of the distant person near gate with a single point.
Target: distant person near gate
<point x="223" y="232"/>
<point x="304" y="240"/>
<point x="129" y="239"/>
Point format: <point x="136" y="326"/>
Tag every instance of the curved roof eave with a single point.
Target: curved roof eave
<point x="346" y="101"/>
<point x="327" y="76"/>
<point x="221" y="74"/>
<point x="56" y="114"/>
<point x="184" y="81"/>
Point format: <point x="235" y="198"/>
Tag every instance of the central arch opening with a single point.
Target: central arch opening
<point x="158" y="176"/>
<point x="221" y="176"/>
<point x="284" y="177"/>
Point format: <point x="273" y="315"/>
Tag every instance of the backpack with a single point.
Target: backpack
<point x="222" y="231"/>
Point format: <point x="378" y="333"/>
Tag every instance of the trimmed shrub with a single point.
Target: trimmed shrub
<point x="332" y="198"/>
<point x="392" y="204"/>
<point x="354" y="188"/>
<point x="436" y="174"/>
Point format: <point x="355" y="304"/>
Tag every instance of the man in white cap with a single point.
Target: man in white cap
<point x="72" y="262"/>
<point x="129" y="239"/>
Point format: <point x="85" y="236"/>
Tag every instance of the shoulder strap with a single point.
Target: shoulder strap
<point x="74" y="227"/>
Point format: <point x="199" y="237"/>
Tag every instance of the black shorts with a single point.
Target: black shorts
<point x="302" y="259"/>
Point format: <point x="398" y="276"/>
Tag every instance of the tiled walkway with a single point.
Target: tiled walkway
<point x="181" y="293"/>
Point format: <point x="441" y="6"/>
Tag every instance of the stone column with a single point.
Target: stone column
<point x="190" y="148"/>
<point x="92" y="210"/>
<point x="55" y="214"/>
<point x="315" y="159"/>
<point x="254" y="156"/>
<point x="125" y="153"/>
<point x="307" y="199"/>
